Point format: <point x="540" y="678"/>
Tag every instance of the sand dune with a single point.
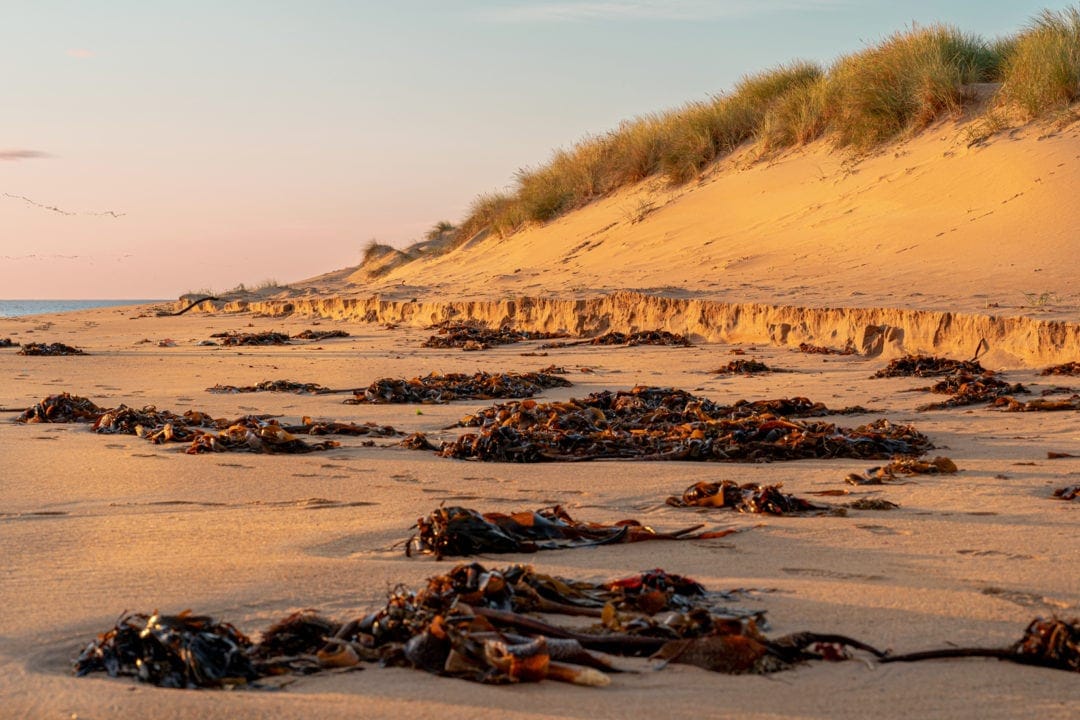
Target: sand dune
<point x="929" y="245"/>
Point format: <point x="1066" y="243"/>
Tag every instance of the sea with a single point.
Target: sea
<point x="17" y="308"/>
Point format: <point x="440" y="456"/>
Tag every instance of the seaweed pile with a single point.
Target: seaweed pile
<point x="1069" y="368"/>
<point x="642" y="337"/>
<point x="848" y="349"/>
<point x="745" y="367"/>
<point x="474" y="336"/>
<point x="1010" y="404"/>
<point x="62" y="408"/>
<point x="747" y="498"/>
<point x="6" y="343"/>
<point x="966" y="382"/>
<point x="940" y="465"/>
<point x="262" y="434"/>
<point x="274" y="386"/>
<point x="967" y="389"/>
<point x="310" y="334"/>
<point x="459" y="531"/>
<point x="467" y="624"/>
<point x="928" y="366"/>
<point x="470" y="623"/>
<point x="651" y="423"/>
<point x="264" y="338"/>
<point x="55" y="348"/>
<point x="442" y="388"/>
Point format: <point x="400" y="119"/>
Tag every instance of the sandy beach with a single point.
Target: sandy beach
<point x="838" y="478"/>
<point x="93" y="525"/>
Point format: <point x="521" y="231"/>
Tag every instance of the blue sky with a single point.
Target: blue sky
<point x="242" y="140"/>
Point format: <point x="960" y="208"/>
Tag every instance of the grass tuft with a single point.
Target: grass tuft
<point x="902" y="85"/>
<point x="374" y="249"/>
<point x="1041" y="75"/>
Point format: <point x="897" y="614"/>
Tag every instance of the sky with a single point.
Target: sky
<point x="150" y="148"/>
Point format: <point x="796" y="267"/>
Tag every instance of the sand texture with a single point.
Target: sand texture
<point x="92" y="525"/>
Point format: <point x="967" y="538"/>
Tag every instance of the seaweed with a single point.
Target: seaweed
<point x="651" y="423"/>
<point x="927" y="366"/>
<point x="310" y="334"/>
<point x="1069" y="368"/>
<point x="436" y="388"/>
<point x="253" y="433"/>
<point x="55" y="348"/>
<point x="288" y="386"/>
<point x="903" y="466"/>
<point x="848" y="349"/>
<point x="746" y="367"/>
<point x="747" y="498"/>
<point x="482" y="625"/>
<point x="241" y="338"/>
<point x="474" y="336"/>
<point x="459" y="531"/>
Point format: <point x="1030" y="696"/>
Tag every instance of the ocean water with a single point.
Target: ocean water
<point x="16" y="308"/>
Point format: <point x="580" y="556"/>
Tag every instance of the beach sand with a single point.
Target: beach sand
<point x="92" y="525"/>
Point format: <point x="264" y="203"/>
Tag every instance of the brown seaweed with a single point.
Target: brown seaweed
<point x="848" y="349"/>
<point x="871" y="504"/>
<point x="6" y="343"/>
<point x="241" y="338"/>
<point x="928" y="366"/>
<point x="459" y="531"/>
<point x="252" y="433"/>
<point x="310" y="334"/>
<point x="1010" y="404"/>
<point x="62" y="408"/>
<point x="745" y="367"/>
<point x="747" y="498"/>
<point x="438" y="388"/>
<point x="55" y="348"/>
<point x="288" y="386"/>
<point x="1047" y="642"/>
<point x="474" y="336"/>
<point x="481" y="625"/>
<point x="650" y="423"/>
<point x="967" y="389"/>
<point x="177" y="651"/>
<point x="642" y="337"/>
<point x="1069" y="368"/>
<point x="903" y="466"/>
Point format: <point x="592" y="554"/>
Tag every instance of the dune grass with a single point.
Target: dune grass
<point x="1041" y="75"/>
<point x="374" y="249"/>
<point x="901" y="86"/>
<point x="890" y="90"/>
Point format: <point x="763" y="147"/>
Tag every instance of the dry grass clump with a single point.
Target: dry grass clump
<point x="904" y="84"/>
<point x="373" y="250"/>
<point x="796" y="118"/>
<point x="1041" y="74"/>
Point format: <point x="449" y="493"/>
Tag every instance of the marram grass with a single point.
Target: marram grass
<point x="887" y="91"/>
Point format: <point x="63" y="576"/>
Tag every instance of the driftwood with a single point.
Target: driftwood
<point x="181" y="312"/>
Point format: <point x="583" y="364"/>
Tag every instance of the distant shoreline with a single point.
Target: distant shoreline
<point x="22" y="308"/>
